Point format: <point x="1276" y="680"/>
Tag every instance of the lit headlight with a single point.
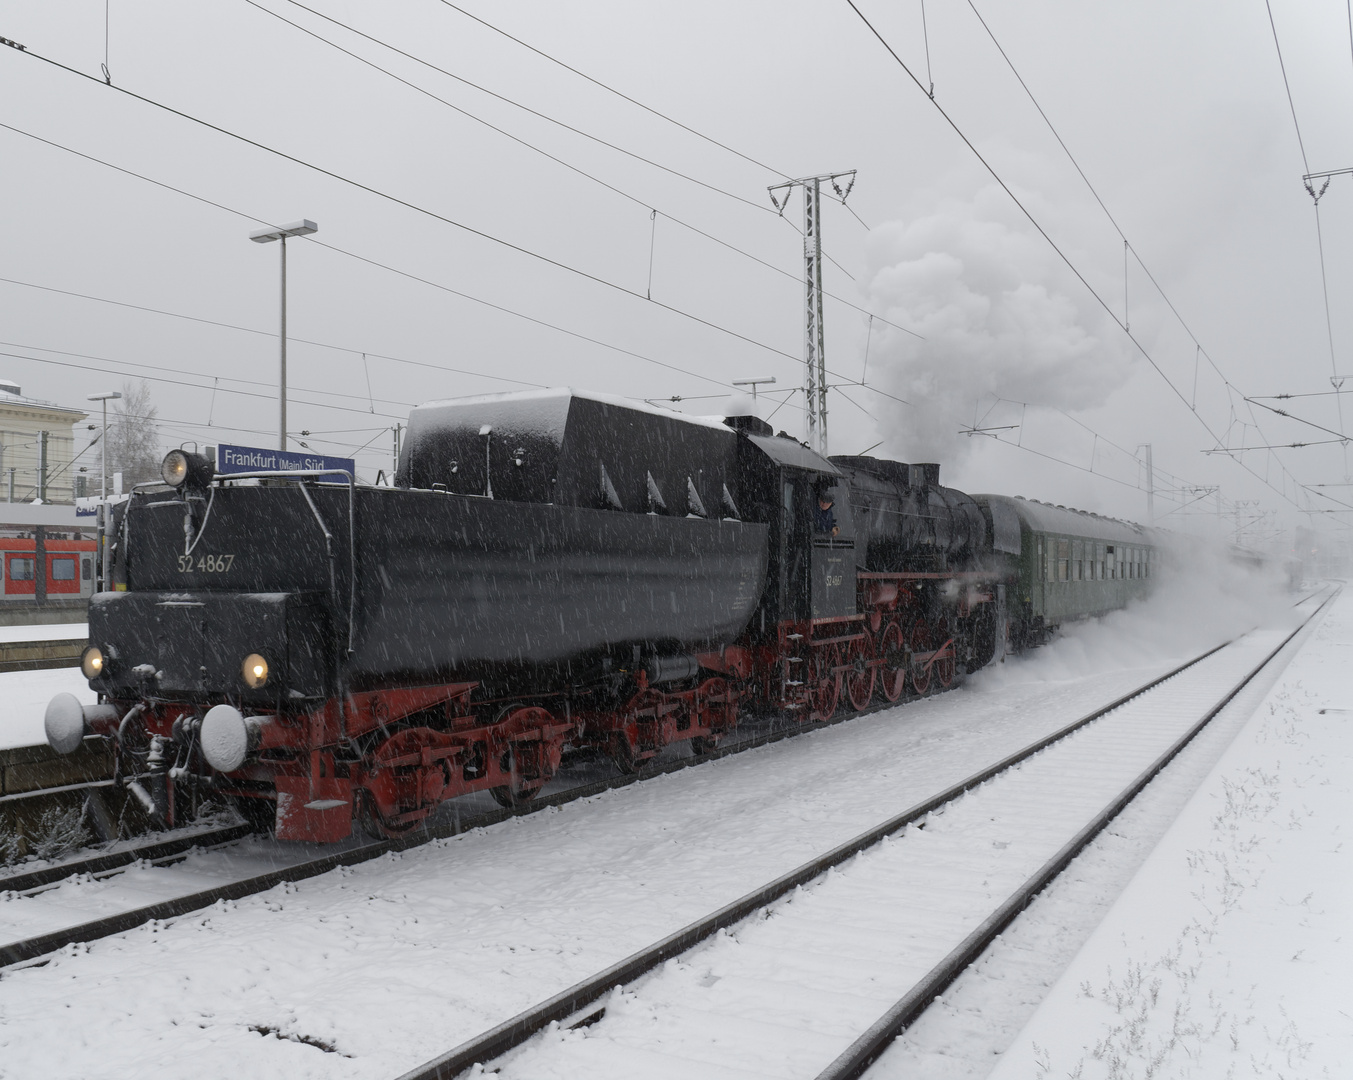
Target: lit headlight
<point x="91" y="663"/>
<point x="255" y="671"/>
<point x="174" y="468"/>
<point x="183" y="468"/>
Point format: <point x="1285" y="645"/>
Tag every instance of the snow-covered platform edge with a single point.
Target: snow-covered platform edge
<point x="1231" y="951"/>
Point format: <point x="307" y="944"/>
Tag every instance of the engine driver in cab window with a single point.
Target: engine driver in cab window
<point x="824" y="520"/>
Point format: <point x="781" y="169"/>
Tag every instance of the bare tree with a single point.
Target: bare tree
<point x="133" y="446"/>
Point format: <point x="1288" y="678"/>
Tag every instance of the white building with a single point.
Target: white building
<point x="37" y="441"/>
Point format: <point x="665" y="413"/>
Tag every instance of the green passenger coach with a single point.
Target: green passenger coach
<point x="1071" y="565"/>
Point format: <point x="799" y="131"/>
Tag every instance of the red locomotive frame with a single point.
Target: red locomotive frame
<point x="392" y="756"/>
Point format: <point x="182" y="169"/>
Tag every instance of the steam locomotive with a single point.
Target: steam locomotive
<point x="550" y="570"/>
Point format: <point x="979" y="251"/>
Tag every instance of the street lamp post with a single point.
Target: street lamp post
<point x="264" y="236"/>
<point x="103" y="563"/>
<point x="105" y="398"/>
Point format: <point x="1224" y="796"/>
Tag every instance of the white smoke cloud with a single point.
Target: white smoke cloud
<point x="977" y="290"/>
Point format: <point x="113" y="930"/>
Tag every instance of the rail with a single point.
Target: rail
<point x="866" y="1049"/>
<point x="90" y="776"/>
<point x="578" y="1004"/>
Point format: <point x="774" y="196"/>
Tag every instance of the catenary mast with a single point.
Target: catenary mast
<point x="814" y="340"/>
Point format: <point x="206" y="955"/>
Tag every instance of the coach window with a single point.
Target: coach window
<point x="1112" y="556"/>
<point x="21" y="569"/>
<point x="63" y="569"/>
<point x="84" y="569"/>
<point x="1050" y="569"/>
<point x="1063" y="560"/>
<point x="1077" y="560"/>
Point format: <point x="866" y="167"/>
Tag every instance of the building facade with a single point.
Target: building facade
<point x="38" y="442"/>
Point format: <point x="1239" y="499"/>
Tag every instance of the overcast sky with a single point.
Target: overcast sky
<point x="1175" y="111"/>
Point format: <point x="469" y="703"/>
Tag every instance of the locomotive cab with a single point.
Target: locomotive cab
<point x="811" y="572"/>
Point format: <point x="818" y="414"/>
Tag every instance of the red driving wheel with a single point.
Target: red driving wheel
<point x="861" y="674"/>
<point x="945" y="667"/>
<point x="893" y="675"/>
<point x="826" y="685"/>
<point x="919" y="640"/>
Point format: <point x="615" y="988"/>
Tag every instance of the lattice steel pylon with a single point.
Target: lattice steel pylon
<point x="814" y="339"/>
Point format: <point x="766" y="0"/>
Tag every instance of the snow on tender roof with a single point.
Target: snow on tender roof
<point x="560" y="395"/>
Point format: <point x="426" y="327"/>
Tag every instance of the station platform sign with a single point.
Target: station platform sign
<point x="253" y="459"/>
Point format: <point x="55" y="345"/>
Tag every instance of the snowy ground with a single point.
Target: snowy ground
<point x="24" y="694"/>
<point x="368" y="971"/>
<point x="783" y="993"/>
<point x="1229" y="953"/>
<point x="23" y="700"/>
<point x="53" y="632"/>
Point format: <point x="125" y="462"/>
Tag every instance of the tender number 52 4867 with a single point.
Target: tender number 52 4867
<point x="209" y="564"/>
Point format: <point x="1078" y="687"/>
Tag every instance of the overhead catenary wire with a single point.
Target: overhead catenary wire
<point x="760" y="207"/>
<point x="1146" y="354"/>
<point x="755" y="205"/>
<point x="1300" y="420"/>
<point x="1199" y="350"/>
<point x="137" y="366"/>
<point x="265" y="333"/>
<point x="1315" y="198"/>
<point x="396" y="200"/>
<point x="375" y="263"/>
<point x="407" y="204"/>
<point x="1131" y="454"/>
<point x="383" y="266"/>
<point x="612" y="90"/>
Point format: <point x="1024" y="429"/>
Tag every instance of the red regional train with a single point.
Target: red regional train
<point x="67" y="570"/>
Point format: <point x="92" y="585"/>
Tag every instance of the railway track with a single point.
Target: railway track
<point x="453" y="822"/>
<point x="298" y="864"/>
<point x="92" y="768"/>
<point x="874" y="914"/>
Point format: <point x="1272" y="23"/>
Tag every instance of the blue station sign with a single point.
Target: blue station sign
<point x="250" y="459"/>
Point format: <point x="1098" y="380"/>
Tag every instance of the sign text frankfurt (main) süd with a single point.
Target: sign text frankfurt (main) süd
<point x="247" y="459"/>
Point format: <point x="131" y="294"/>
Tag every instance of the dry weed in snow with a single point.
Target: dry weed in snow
<point x="1177" y="1014"/>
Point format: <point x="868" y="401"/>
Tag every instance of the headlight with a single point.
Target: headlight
<point x="91" y="662"/>
<point x="181" y="467"/>
<point x="174" y="468"/>
<point x="255" y="671"/>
